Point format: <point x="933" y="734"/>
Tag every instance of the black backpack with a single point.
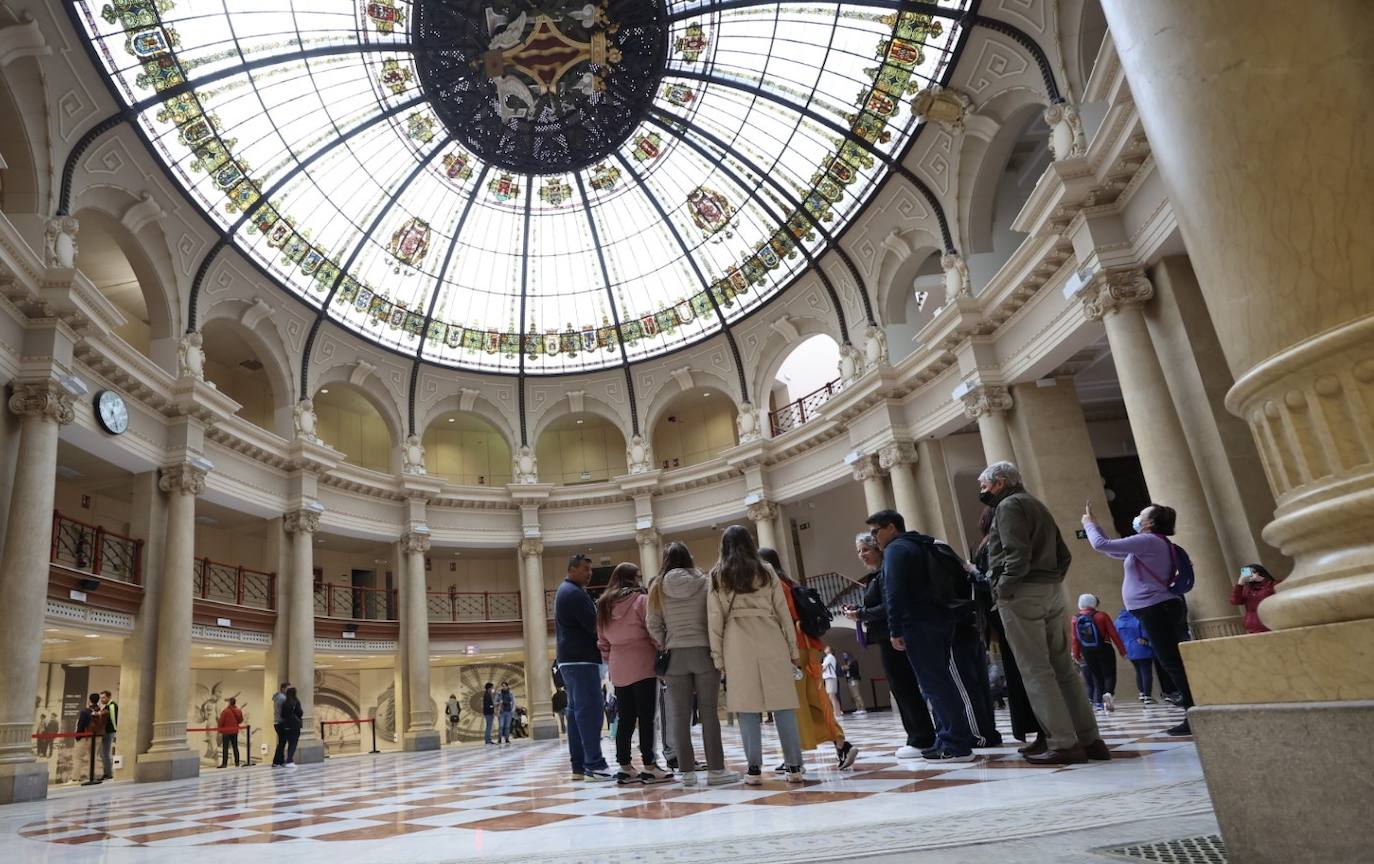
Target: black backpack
<point x="812" y="615"/>
<point x="950" y="584"/>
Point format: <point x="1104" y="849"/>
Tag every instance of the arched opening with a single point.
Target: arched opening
<point x="580" y="448"/>
<point x="18" y="174"/>
<point x="808" y="374"/>
<point x="350" y="423"/>
<point x="110" y="258"/>
<point x="234" y="366"/>
<point x="694" y="427"/>
<point x="1013" y="162"/>
<point x="466" y="449"/>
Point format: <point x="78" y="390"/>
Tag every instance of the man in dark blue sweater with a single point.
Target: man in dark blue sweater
<point x="922" y="624"/>
<point x="579" y="662"/>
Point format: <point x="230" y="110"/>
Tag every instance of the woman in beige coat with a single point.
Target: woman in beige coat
<point x="754" y="643"/>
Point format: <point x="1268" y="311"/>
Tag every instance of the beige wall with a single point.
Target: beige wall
<point x="109" y="513"/>
<point x="250" y="389"/>
<point x="567" y="451"/>
<point x="349" y="424"/>
<point x="467" y="451"/>
<point x="694" y="429"/>
<point x="241" y="546"/>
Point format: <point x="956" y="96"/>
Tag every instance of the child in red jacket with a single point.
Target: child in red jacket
<point x="1094" y="634"/>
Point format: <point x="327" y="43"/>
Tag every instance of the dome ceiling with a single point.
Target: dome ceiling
<point x="536" y="185"/>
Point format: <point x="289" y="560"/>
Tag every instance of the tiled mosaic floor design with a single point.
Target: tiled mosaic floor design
<point x="458" y="793"/>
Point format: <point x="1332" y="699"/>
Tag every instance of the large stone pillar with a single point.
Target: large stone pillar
<point x="650" y="553"/>
<point x="989" y="404"/>
<point x="278" y="557"/>
<point x="1277" y="220"/>
<point x="42" y="408"/>
<point x="1116" y="297"/>
<point x="300" y="642"/>
<point x="538" y="675"/>
<point x="763" y="514"/>
<point x="420" y="733"/>
<point x="898" y="459"/>
<point x="937" y="497"/>
<point x="170" y="757"/>
<point x="138" y="661"/>
<point x="867" y="472"/>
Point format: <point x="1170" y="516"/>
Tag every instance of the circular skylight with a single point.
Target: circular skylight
<point x="536" y="185"/>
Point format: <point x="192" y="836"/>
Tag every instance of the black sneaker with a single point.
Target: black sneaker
<point x="947" y="756"/>
<point x="672" y="764"/>
<point x="753" y="776"/>
<point x="625" y="778"/>
<point x="848" y="753"/>
<point x="930" y="752"/>
<point x="1180" y="730"/>
<point x="782" y="768"/>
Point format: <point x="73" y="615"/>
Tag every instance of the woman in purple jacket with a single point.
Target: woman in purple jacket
<point x="1149" y="567"/>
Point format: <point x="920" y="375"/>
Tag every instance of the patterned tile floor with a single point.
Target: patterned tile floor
<point x="470" y="803"/>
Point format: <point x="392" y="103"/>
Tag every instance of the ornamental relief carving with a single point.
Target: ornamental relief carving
<point x="415" y="542"/>
<point x="301" y="522"/>
<point x="985" y="399"/>
<point x="1113" y="290"/>
<point x="183" y="479"/>
<point x="43" y="400"/>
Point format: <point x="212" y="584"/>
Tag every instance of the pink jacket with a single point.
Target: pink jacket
<point x="625" y="644"/>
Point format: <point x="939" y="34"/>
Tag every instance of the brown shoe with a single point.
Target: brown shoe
<point x="1035" y="748"/>
<point x="1074" y="756"/>
<point x="1098" y="752"/>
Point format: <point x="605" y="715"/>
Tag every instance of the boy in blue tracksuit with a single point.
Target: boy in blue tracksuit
<point x="1139" y="652"/>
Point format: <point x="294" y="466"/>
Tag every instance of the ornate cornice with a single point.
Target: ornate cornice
<point x="47" y="400"/>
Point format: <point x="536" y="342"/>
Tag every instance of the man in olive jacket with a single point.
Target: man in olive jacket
<point x="1027" y="561"/>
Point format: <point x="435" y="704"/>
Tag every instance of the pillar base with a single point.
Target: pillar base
<point x="23" y="781"/>
<point x="421" y="740"/>
<point x="167" y="765"/>
<point x="543" y="729"/>
<point x="310" y="752"/>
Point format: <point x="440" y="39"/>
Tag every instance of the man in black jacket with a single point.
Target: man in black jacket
<point x="922" y="624"/>
<point x="579" y="661"/>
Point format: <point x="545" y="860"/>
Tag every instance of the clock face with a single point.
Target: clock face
<point x="111" y="412"/>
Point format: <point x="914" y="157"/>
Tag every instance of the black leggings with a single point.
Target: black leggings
<point x="920" y="732"/>
<point x="1101" y="662"/>
<point x="636" y="704"/>
<point x="1166" y="625"/>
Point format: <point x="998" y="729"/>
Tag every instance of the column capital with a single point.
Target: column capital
<point x="897" y="453"/>
<point x="184" y="478"/>
<point x="647" y="536"/>
<point x="1113" y="290"/>
<point x="301" y="521"/>
<point x="415" y="542"/>
<point x="44" y="399"/>
<point x="761" y="511"/>
<point x="986" y="399"/>
<point x="867" y="469"/>
<point x="531" y="547"/>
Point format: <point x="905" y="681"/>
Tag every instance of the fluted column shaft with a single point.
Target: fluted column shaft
<point x="538" y="678"/>
<point x="23" y="584"/>
<point x="300" y="663"/>
<point x="420" y="732"/>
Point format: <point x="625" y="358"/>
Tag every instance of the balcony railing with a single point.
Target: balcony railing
<point x="355" y="602"/>
<point x="836" y="590"/>
<point x="95" y="550"/>
<point x="459" y="606"/>
<point x="794" y="414"/>
<point x="235" y="584"/>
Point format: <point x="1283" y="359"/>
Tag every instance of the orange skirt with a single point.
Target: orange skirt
<point x="816" y="717"/>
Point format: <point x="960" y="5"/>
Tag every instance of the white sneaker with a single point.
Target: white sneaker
<point x="654" y="774"/>
<point x="723" y="777"/>
<point x="861" y="713"/>
<point x="906" y="751"/>
<point x="1108" y="702"/>
<point x="688" y="778"/>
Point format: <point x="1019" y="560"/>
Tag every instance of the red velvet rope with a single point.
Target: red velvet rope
<point x="354" y="722"/>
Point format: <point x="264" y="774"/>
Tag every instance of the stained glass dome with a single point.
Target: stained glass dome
<point x="525" y="185"/>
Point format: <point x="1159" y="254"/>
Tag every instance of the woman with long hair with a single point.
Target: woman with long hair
<point x="291" y="716"/>
<point x="629" y="654"/>
<point x="754" y="643"/>
<point x="816" y="721"/>
<point x="1023" y="722"/>
<point x="676" y="619"/>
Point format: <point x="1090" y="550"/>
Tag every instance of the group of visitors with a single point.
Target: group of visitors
<point x="286" y="720"/>
<point x="498" y="710"/>
<point x="99" y="719"/>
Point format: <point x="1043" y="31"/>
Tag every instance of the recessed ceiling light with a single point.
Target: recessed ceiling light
<point x="92" y="635"/>
<point x="705" y="395"/>
<point x="324" y="389"/>
<point x="54" y="640"/>
<point x="579" y="422"/>
<point x="217" y="654"/>
<point x="452" y="419"/>
<point x="323" y="666"/>
<point x="81" y="659"/>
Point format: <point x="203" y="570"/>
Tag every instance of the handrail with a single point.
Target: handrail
<point x="96" y="550"/>
<point x="235" y="584"/>
<point x="834" y="587"/>
<point x="454" y="605"/>
<point x="355" y="602"/>
<point x="797" y="412"/>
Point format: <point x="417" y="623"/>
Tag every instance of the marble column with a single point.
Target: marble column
<point x="138" y="660"/>
<point x="420" y="732"/>
<point x="538" y="676"/>
<point x="42" y="409"/>
<point x="1276" y="217"/>
<point x="1116" y="297"/>
<point x="300" y="644"/>
<point x="989" y="404"/>
<point x="867" y="472"/>
<point x="937" y="495"/>
<point x="170" y="757"/>
<point x="898" y="459"/>
<point x="650" y="553"/>
<point x="763" y="514"/>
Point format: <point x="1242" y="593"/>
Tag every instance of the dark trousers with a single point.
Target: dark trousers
<point x="971" y="659"/>
<point x="1023" y="722"/>
<point x="1144" y="675"/>
<point x="635" y="705"/>
<point x="279" y="755"/>
<point x="1166" y="625"/>
<point x="906" y="693"/>
<point x="1101" y="667"/>
<point x="1166" y="684"/>
<point x="930" y="650"/>
<point x="293" y="737"/>
<point x="585" y="715"/>
<point x="225" y="742"/>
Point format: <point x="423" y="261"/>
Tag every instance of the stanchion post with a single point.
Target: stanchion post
<point x="322" y="741"/>
<point x="248" y="738"/>
<point x="374" y="735"/>
<point x="92" y="781"/>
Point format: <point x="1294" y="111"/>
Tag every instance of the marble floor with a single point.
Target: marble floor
<point x="480" y="804"/>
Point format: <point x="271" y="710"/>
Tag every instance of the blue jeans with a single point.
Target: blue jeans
<point x="586" y="713"/>
<point x="505" y="725"/>
<point x="488" y="719"/>
<point x="929" y="648"/>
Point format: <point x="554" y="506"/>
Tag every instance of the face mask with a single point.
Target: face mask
<point x="1135" y="525"/>
<point x="987" y="499"/>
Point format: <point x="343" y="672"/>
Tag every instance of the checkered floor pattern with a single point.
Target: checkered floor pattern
<point x="520" y="787"/>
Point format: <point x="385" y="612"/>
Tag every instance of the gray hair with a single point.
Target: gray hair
<point x="1004" y="471"/>
<point x="867" y="540"/>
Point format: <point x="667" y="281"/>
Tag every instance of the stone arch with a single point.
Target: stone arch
<point x="983" y="162"/>
<point x="467" y="448"/>
<point x="375" y="393"/>
<point x="480" y="406"/>
<point x="776" y="349"/>
<point x="590" y="405"/>
<point x="267" y="347"/>
<point x="670" y="390"/>
<point x="1081" y="31"/>
<point x="22" y="189"/>
<point x="715" y="413"/>
<point x="905" y="253"/>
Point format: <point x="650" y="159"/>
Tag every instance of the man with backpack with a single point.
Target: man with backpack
<point x="1094" y="634"/>
<point x="921" y="593"/>
<point x="1027" y="562"/>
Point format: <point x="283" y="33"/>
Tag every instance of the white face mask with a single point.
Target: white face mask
<point x="1135" y="525"/>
